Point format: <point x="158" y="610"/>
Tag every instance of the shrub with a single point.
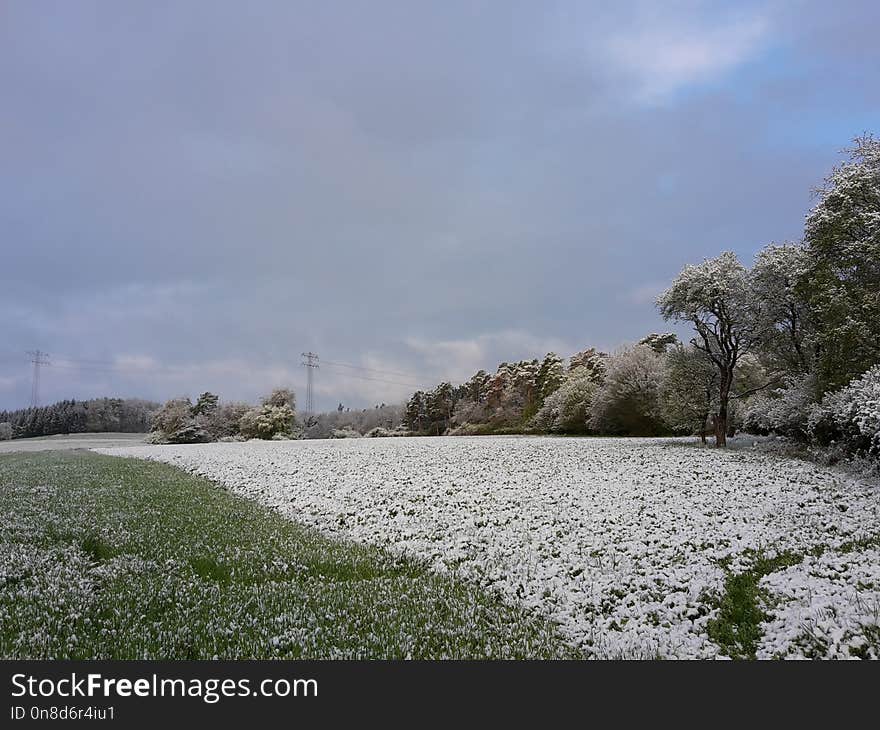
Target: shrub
<point x="786" y="411"/>
<point x="851" y="416"/>
<point x="175" y="414"/>
<point x="628" y="400"/>
<point x="189" y="434"/>
<point x="378" y="432"/>
<point x="174" y="423"/>
<point x="267" y="421"/>
<point x="223" y="421"/>
<point x="345" y="433"/>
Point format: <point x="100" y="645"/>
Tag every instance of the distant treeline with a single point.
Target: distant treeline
<point x="128" y="415"/>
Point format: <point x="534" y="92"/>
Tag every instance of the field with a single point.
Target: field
<point x="71" y="441"/>
<point x="632" y="547"/>
<point x="102" y="557"/>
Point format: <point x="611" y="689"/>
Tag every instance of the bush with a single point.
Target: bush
<point x="628" y="400"/>
<point x="345" y="433"/>
<point x="223" y="421"/>
<point x="267" y="421"/>
<point x="174" y="423"/>
<point x="175" y="414"/>
<point x="189" y="434"/>
<point x="377" y="432"/>
<point x="786" y="411"/>
<point x="851" y="416"/>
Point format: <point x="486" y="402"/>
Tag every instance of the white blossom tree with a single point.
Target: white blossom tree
<point x="716" y="297"/>
<point x="627" y="401"/>
<point x="785" y="312"/>
<point x="567" y="408"/>
<point x="842" y="277"/>
<point x="689" y="390"/>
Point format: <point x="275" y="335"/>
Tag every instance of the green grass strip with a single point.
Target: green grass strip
<point x="737" y="628"/>
<point x="103" y="557"/>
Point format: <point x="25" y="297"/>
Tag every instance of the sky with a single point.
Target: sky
<point x="192" y="194"/>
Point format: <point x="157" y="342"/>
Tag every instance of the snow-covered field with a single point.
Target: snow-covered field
<point x="624" y="542"/>
<point x="72" y="441"/>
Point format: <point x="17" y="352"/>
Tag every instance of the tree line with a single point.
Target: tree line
<point x="790" y="345"/>
<point x="180" y="421"/>
<point x="128" y="415"/>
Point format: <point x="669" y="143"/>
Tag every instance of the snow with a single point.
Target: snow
<point x="825" y="607"/>
<point x="625" y="543"/>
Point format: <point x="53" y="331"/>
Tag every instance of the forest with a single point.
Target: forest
<point x="127" y="415"/>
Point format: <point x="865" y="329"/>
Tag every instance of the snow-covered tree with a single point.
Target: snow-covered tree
<point x="205" y="404"/>
<point x="788" y="333"/>
<point x="175" y="423"/>
<point x="567" y="409"/>
<point x="223" y="421"/>
<point x="416" y="413"/>
<point x="280" y="397"/>
<point x="550" y="375"/>
<point x="842" y="277"/>
<point x="851" y="415"/>
<point x="469" y="412"/>
<point x="5" y="431"/>
<point x="267" y="421"/>
<point x="688" y="390"/>
<point x="716" y="298"/>
<point x="439" y="406"/>
<point x="474" y="389"/>
<point x="659" y="342"/>
<point x="592" y="360"/>
<point x="627" y="401"/>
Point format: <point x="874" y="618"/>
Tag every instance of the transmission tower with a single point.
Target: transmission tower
<point x="310" y="363"/>
<point x="38" y="358"/>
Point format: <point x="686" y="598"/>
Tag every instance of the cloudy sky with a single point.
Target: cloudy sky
<point x="192" y="194"/>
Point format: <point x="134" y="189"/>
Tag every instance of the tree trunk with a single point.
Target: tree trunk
<point x="723" y="400"/>
<point x="703" y="422"/>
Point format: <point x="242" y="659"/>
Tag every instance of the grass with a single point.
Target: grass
<point x="102" y="557"/>
<point x="737" y="627"/>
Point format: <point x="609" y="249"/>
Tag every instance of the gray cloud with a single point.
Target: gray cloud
<point x="417" y="187"/>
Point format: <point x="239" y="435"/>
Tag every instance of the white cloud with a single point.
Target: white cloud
<point x="457" y="360"/>
<point x="128" y="362"/>
<point x="663" y="57"/>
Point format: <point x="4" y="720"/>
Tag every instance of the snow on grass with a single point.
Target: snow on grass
<point x="106" y="558"/>
<point x="825" y="607"/>
<point x="625" y="543"/>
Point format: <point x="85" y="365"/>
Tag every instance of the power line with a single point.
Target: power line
<point x="377" y="380"/>
<point x="38" y="358"/>
<point x="311" y="364"/>
<point x="369" y="370"/>
<point x="83" y="364"/>
<point x="122" y="369"/>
